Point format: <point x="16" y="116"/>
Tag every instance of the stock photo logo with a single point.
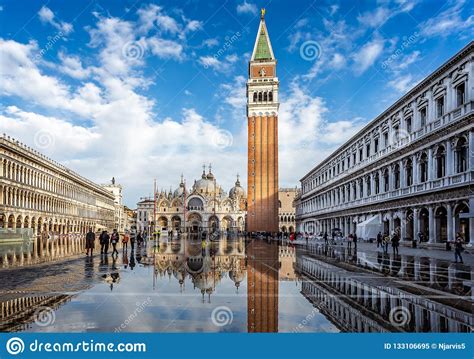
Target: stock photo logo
<point x="222" y="139"/>
<point x="44" y="316"/>
<point x="222" y="316"/>
<point x="44" y="139"/>
<point x="15" y="346"/>
<point x="133" y="50"/>
<point x="399" y="316"/>
<point x="310" y="50"/>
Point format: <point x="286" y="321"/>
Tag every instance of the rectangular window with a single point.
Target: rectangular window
<point x="460" y="94"/>
<point x="367" y="150"/>
<point x="361" y="154"/>
<point x="385" y="139"/>
<point x="376" y="145"/>
<point x="423" y="117"/>
<point x="354" y="159"/>
<point x="408" y="124"/>
<point x="440" y="106"/>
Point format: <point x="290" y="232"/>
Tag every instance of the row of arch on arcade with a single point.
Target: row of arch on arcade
<point x="434" y="223"/>
<point x="438" y="223"/>
<point x="25" y="175"/>
<point x="195" y="223"/>
<point x="40" y="224"/>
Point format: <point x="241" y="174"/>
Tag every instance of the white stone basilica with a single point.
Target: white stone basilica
<point x="206" y="207"/>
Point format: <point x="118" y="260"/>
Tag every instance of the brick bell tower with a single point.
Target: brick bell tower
<point x="262" y="114"/>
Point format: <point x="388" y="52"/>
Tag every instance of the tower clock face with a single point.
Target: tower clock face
<point x="262" y="72"/>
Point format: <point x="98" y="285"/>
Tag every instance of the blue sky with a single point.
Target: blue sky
<point x="144" y="90"/>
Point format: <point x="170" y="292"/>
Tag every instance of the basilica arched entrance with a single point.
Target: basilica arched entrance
<point x="227" y="223"/>
<point x="213" y="224"/>
<point x="162" y="222"/>
<point x="176" y="222"/>
<point x="195" y="222"/>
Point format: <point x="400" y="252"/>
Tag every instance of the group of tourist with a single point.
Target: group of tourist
<point x="106" y="239"/>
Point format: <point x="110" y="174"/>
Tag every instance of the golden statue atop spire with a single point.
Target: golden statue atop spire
<point x="262" y="13"/>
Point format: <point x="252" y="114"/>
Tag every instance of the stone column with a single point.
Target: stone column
<point x="403" y="225"/>
<point x="450" y="222"/>
<point x="414" y="161"/>
<point x="449" y="159"/>
<point x="416" y="223"/>
<point x="402" y="175"/>
<point x="430" y="165"/>
<point x="431" y="232"/>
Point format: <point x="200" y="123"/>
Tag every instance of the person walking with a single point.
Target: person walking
<point x="386" y="241"/>
<point x="395" y="243"/>
<point x="325" y="237"/>
<point x="114" y="239"/>
<point x="350" y="238"/>
<point x="458" y="248"/>
<point x="354" y="239"/>
<point x="133" y="238"/>
<point x="125" y="239"/>
<point x="90" y="239"/>
<point x="104" y="242"/>
<point x="379" y="239"/>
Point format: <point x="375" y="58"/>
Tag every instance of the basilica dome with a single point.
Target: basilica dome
<point x="237" y="190"/>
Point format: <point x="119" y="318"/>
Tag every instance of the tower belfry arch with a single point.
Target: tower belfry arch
<point x="262" y="115"/>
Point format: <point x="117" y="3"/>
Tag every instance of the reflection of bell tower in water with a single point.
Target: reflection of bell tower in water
<point x="262" y="113"/>
<point x="262" y="287"/>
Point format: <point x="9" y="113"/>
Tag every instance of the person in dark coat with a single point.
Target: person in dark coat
<point x="104" y="242"/>
<point x="114" y="239"/>
<point x="90" y="239"/>
<point x="379" y="240"/>
<point x="458" y="248"/>
<point x="395" y="243"/>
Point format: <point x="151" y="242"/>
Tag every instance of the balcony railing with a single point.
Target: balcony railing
<point x="420" y="188"/>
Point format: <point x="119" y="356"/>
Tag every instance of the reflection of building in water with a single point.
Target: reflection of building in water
<point x="41" y="249"/>
<point x="262" y="287"/>
<point x="287" y="257"/>
<point x="205" y="267"/>
<point x="362" y="302"/>
<point x="409" y="170"/>
<point x="208" y="207"/>
<point x="17" y="312"/>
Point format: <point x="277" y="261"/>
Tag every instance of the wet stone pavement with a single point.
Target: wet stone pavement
<point x="234" y="285"/>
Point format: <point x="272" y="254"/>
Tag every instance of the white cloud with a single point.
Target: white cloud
<point x="72" y="66"/>
<point x="367" y="55"/>
<point x="247" y="8"/>
<point x="210" y="42"/>
<point x="402" y="83"/>
<point x="166" y="48"/>
<point x="450" y="21"/>
<point x="337" y="62"/>
<point x="47" y="17"/>
<point x="218" y="65"/>
<point x="375" y="18"/>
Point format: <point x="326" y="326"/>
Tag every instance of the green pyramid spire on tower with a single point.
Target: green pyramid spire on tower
<point x="263" y="48"/>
